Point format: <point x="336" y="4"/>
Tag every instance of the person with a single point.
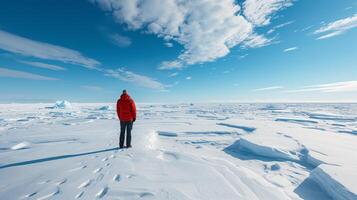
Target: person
<point x="126" y="111"/>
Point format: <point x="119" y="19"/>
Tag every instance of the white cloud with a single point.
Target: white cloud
<point x="306" y="28"/>
<point x="92" y="87"/>
<point x="279" y="26"/>
<point x="243" y="56"/>
<point x="21" y="45"/>
<point x="173" y="74"/>
<point x="268" y="88"/>
<point x="171" y="65"/>
<point x="345" y="86"/>
<point x="283" y="24"/>
<point x="137" y="79"/>
<point x="329" y="35"/>
<point x="120" y="40"/>
<point x="290" y="49"/>
<point x="256" y="41"/>
<point x="337" y="27"/>
<point x="206" y="29"/>
<point x="260" y="12"/>
<point x="44" y="65"/>
<point x="188" y="78"/>
<point x="24" y="75"/>
<point x="169" y="44"/>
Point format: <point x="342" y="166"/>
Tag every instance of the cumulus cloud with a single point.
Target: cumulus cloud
<point x="120" y="40"/>
<point x="4" y="72"/>
<point x="260" y="12"/>
<point x="137" y="79"/>
<point x="337" y="27"/>
<point x="27" y="47"/>
<point x="268" y="88"/>
<point x="44" y="65"/>
<point x="207" y="29"/>
<point x="344" y="86"/>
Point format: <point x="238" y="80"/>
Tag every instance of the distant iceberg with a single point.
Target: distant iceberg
<point x="61" y="105"/>
<point x="105" y="108"/>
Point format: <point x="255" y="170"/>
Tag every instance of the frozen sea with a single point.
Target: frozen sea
<point x="180" y="151"/>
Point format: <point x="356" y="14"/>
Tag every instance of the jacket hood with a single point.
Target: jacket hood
<point x="124" y="96"/>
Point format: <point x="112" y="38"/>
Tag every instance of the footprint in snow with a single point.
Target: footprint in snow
<point x="102" y="192"/>
<point x="97" y="170"/>
<point x="131" y="176"/>
<point x="48" y="196"/>
<point x="79" y="195"/>
<point x="99" y="177"/>
<point x="44" y="182"/>
<point x="29" y="195"/>
<point x="116" y="178"/>
<point x="105" y="159"/>
<point x="78" y="168"/>
<point x="107" y="164"/>
<point x="112" y="156"/>
<point x="85" y="184"/>
<point x="145" y="195"/>
<point x="61" y="182"/>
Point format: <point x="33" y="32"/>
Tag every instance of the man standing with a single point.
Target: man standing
<point x="126" y="111"/>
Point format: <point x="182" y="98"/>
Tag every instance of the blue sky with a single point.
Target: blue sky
<point x="179" y="51"/>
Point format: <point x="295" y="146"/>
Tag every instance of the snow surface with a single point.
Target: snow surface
<point x="180" y="151"/>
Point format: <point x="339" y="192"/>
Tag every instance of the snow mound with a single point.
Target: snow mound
<point x="272" y="151"/>
<point x="338" y="182"/>
<point x="62" y="105"/>
<point x="22" y="145"/>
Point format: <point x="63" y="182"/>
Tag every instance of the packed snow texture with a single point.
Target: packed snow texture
<point x="180" y="151"/>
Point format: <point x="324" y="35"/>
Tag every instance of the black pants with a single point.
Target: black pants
<point x="125" y="126"/>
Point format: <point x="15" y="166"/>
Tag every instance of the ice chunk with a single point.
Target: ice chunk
<point x="22" y="145"/>
<point x="62" y="105"/>
<point x="337" y="181"/>
<point x="272" y="151"/>
<point x="104" y="108"/>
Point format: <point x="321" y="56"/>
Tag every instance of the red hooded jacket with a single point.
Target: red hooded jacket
<point x="126" y="108"/>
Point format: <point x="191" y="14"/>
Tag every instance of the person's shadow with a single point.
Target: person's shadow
<point x="29" y="162"/>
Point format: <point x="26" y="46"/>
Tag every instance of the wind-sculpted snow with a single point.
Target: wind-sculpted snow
<point x="244" y="128"/>
<point x="301" y="121"/>
<point x="267" y="151"/>
<point x="338" y="182"/>
<point x="180" y="151"/>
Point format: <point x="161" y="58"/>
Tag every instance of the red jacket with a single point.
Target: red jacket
<point x="126" y="108"/>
